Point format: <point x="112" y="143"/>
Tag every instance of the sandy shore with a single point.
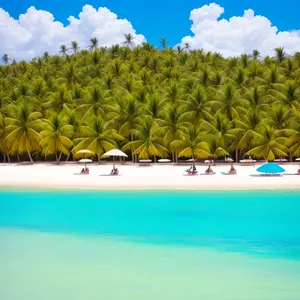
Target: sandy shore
<point x="44" y="175"/>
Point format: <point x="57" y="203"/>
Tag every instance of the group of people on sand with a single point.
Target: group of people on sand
<point x="192" y="170"/>
<point x="85" y="171"/>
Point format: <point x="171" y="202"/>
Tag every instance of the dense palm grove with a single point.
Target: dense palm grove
<point x="150" y="103"/>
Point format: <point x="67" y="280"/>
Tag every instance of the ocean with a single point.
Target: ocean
<point x="64" y="244"/>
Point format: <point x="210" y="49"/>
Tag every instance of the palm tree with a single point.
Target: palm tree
<point x="197" y="106"/>
<point x="229" y="102"/>
<point x="22" y="126"/>
<point x="255" y="54"/>
<point x="293" y="141"/>
<point x="74" y="47"/>
<point x="148" y="142"/>
<point x="94" y="103"/>
<point x="192" y="144"/>
<point x="97" y="136"/>
<point x="216" y="147"/>
<point x="63" y="50"/>
<point x="280" y="54"/>
<point x="94" y="44"/>
<point x="128" y="40"/>
<point x="5" y="59"/>
<point x="46" y="56"/>
<point x="268" y="144"/>
<point x="172" y="126"/>
<point x="187" y="46"/>
<point x="163" y="43"/>
<point x="58" y="100"/>
<point x="128" y="117"/>
<point x="289" y="95"/>
<point x="55" y="137"/>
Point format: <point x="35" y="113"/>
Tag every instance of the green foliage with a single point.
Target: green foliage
<point x="151" y="103"/>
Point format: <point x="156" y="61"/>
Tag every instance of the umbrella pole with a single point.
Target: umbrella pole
<point x="113" y="162"/>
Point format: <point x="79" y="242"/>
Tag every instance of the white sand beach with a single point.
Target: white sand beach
<point x="156" y="176"/>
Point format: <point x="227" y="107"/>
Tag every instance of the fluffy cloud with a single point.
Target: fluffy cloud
<point x="239" y="34"/>
<point x="36" y="31"/>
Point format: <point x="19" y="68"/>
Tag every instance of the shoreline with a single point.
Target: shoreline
<point x="132" y="177"/>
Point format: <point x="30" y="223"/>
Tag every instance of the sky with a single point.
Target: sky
<point x="30" y="27"/>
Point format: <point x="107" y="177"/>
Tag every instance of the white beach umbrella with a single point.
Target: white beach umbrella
<point x="228" y="159"/>
<point x="113" y="153"/>
<point x="298" y="159"/>
<point x="85" y="161"/>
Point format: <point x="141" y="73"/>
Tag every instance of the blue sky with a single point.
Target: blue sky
<point x="166" y="18"/>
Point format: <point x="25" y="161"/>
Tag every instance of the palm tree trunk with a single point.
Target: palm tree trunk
<point x="59" y="157"/>
<point x="4" y="158"/>
<point x="132" y="154"/>
<point x="18" y="157"/>
<point x="236" y="155"/>
<point x="8" y="158"/>
<point x="30" y="157"/>
<point x="154" y="158"/>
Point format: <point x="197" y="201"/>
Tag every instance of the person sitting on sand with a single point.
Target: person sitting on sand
<point x="209" y="170"/>
<point x="114" y="171"/>
<point x="298" y="171"/>
<point x="85" y="171"/>
<point x="189" y="169"/>
<point x="232" y="170"/>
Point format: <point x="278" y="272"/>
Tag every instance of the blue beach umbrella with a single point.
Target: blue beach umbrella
<point x="270" y="168"/>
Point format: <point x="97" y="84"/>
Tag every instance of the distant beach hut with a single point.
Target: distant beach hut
<point x="270" y="169"/>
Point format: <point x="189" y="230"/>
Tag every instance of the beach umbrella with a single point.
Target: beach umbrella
<point x="228" y="159"/>
<point x="85" y="152"/>
<point x="298" y="159"/>
<point x="270" y="168"/>
<point x="85" y="161"/>
<point x="113" y="153"/>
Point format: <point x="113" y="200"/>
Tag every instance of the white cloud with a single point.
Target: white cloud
<point x="239" y="34"/>
<point x="36" y="31"/>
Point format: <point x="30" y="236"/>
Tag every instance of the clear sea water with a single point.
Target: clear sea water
<point x="149" y="245"/>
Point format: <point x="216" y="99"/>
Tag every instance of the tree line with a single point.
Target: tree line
<point x="150" y="103"/>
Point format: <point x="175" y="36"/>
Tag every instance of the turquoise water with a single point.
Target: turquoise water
<point x="150" y="243"/>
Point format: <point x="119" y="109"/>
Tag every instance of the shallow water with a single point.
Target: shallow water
<point x="150" y="245"/>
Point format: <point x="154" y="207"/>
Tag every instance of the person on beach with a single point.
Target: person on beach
<point x="232" y="170"/>
<point x="209" y="170"/>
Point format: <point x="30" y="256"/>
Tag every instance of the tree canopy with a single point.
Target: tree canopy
<point x="150" y="103"/>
